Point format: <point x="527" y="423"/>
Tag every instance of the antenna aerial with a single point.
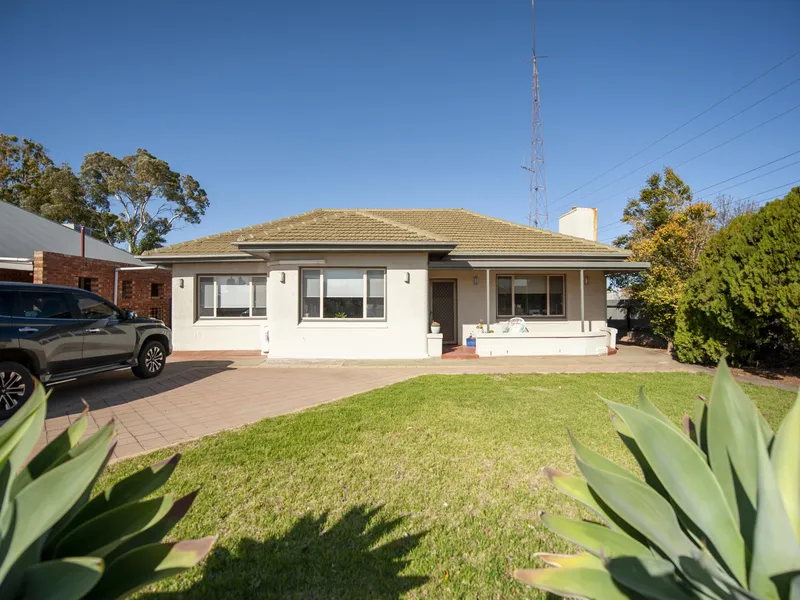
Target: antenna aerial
<point x="538" y="213"/>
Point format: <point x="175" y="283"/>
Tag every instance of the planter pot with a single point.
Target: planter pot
<point x="436" y="329"/>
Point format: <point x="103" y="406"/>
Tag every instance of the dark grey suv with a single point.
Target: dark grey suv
<point x="56" y="333"/>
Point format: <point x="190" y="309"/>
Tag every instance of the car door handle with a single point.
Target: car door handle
<point x="27" y="329"/>
<point x="91" y="331"/>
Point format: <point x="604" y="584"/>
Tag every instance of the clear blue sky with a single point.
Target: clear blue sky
<point x="282" y="107"/>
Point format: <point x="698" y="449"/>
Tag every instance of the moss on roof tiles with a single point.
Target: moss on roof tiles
<point x="473" y="233"/>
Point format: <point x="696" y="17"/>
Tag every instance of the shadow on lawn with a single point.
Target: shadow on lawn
<point x="310" y="561"/>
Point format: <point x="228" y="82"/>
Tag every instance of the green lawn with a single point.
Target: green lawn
<point x="428" y="488"/>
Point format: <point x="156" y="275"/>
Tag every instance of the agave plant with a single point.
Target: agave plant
<point x="59" y="541"/>
<point x="716" y="513"/>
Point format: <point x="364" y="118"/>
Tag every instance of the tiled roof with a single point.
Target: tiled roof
<point x="473" y="233"/>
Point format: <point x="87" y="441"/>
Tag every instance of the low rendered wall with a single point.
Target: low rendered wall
<point x="565" y="344"/>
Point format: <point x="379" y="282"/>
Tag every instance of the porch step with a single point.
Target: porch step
<point x="459" y="352"/>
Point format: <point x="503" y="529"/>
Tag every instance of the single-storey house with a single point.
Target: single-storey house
<point x="368" y="283"/>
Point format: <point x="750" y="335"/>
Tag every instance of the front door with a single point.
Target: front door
<point x="443" y="308"/>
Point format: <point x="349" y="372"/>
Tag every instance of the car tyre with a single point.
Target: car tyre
<point x="16" y="386"/>
<point x="152" y="359"/>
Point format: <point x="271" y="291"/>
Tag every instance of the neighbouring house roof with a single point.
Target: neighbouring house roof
<point x="457" y="231"/>
<point x="22" y="233"/>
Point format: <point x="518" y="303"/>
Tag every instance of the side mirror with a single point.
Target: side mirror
<point x="130" y="315"/>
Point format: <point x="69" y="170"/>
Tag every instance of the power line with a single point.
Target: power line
<point x="746" y="172"/>
<point x="728" y="141"/>
<point x="662" y="138"/>
<point x="758" y="177"/>
<point x="614" y="223"/>
<point x="746" y="198"/>
<point x="690" y="140"/>
<point x="786" y="112"/>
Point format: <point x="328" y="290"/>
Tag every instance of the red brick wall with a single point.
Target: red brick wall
<point x="17" y="276"/>
<point x="65" y="269"/>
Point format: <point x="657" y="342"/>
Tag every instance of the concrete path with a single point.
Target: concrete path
<point x="203" y="393"/>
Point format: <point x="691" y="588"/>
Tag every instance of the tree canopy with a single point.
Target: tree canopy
<point x="669" y="231"/>
<point x="135" y="200"/>
<point x="744" y="299"/>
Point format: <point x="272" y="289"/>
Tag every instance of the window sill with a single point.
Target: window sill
<point x="229" y="321"/>
<point x="343" y="324"/>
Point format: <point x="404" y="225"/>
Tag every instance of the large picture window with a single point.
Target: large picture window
<point x="237" y="296"/>
<point x="530" y="296"/>
<point x="343" y="294"/>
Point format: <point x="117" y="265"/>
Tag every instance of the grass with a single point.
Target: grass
<point x="428" y="488"/>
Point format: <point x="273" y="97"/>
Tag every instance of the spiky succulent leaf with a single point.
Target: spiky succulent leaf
<point x="646" y="406"/>
<point x="40" y="505"/>
<point x="594" y="584"/>
<point x="52" y="454"/>
<point x="595" y="538"/>
<point x="682" y="469"/>
<point x="570" y="560"/>
<point x="626" y="436"/>
<point x="732" y="423"/>
<point x="577" y="489"/>
<point x="785" y="460"/>
<point x="701" y="423"/>
<point x="104" y="533"/>
<point x="597" y="460"/>
<point x="776" y="550"/>
<point x="650" y="576"/>
<point x="63" y="579"/>
<point x="134" y="487"/>
<point x="148" y="564"/>
<point x="643" y="508"/>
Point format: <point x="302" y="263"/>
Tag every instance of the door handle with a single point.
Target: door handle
<point x="28" y="329"/>
<point x="91" y="331"/>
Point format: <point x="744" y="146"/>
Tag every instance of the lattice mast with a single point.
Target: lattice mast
<point x="538" y="213"/>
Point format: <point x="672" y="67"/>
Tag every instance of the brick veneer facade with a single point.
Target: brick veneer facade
<point x="65" y="269"/>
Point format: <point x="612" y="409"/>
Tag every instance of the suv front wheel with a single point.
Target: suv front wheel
<point x="16" y="386"/>
<point x="152" y="358"/>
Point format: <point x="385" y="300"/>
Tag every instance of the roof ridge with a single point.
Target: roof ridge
<point x="405" y="226"/>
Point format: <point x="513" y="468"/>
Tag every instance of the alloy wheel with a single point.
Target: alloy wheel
<point x="154" y="359"/>
<point x="12" y="389"/>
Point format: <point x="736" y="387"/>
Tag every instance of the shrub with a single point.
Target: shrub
<point x="743" y="300"/>
<point x="57" y="541"/>
<point x="716" y="516"/>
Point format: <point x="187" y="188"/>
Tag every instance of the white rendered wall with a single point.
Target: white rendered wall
<point x="579" y="222"/>
<point x="403" y="334"/>
<point x="191" y="333"/>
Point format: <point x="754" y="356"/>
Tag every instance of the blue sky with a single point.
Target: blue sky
<point x="282" y="107"/>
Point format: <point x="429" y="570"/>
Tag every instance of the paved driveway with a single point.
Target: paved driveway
<point x="195" y="398"/>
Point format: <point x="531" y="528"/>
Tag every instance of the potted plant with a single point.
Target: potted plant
<point x="435" y="327"/>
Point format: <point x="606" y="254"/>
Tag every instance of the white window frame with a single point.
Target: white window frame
<point x="365" y="291"/>
<point x="547" y="277"/>
<point x="214" y="278"/>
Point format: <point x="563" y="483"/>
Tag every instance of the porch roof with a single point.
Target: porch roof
<point x="543" y="264"/>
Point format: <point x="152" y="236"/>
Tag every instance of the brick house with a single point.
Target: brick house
<point x="34" y="249"/>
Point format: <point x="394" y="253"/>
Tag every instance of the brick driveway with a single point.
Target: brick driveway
<point x="198" y="397"/>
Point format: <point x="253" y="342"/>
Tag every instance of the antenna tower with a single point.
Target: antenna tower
<point x="538" y="214"/>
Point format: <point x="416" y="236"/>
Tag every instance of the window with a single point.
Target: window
<point x="43" y="305"/>
<point x="87" y="283"/>
<point x="127" y="289"/>
<point x="156" y="313"/>
<point x="343" y="293"/>
<point x="155" y="290"/>
<point x="6" y="303"/>
<point x="94" y="308"/>
<point x="240" y="296"/>
<point x="530" y="296"/>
